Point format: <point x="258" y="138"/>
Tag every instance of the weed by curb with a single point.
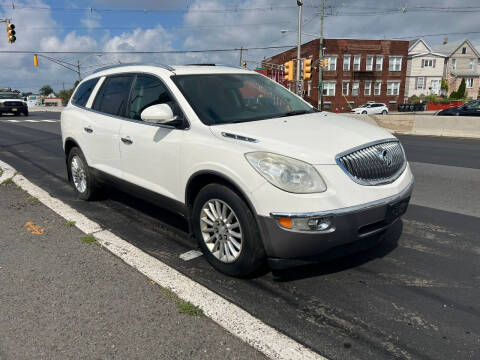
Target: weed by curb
<point x="70" y="223"/>
<point x="89" y="239"/>
<point x="186" y="307"/>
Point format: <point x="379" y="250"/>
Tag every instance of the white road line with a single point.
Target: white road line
<point x="50" y="121"/>
<point x="190" y="255"/>
<point x="237" y="321"/>
<point x="14" y="121"/>
<point x="32" y="121"/>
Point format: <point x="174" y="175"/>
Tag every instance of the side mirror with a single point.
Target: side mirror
<point x="158" y="114"/>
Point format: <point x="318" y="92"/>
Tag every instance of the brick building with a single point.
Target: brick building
<point x="359" y="71"/>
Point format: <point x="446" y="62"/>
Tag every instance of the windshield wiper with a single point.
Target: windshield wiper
<point x="297" y="112"/>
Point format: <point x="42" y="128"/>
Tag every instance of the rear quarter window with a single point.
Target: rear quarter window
<point x="83" y="92"/>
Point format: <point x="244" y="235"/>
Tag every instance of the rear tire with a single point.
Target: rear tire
<point x="384" y="112"/>
<point x="227" y="234"/>
<point x="25" y="113"/>
<point x="364" y="112"/>
<point x="82" y="179"/>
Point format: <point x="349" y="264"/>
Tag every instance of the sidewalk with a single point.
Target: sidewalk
<point x="64" y="297"/>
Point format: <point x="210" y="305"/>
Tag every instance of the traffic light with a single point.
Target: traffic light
<point x="307" y="69"/>
<point x="11" y="33"/>
<point x="325" y="62"/>
<point x="288" y="71"/>
<point x="35" y="60"/>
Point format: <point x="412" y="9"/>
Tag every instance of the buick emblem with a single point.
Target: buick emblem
<point x="385" y="155"/>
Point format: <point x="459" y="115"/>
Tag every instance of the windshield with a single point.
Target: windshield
<point x="364" y="105"/>
<point x="232" y="98"/>
<point x="10" y="96"/>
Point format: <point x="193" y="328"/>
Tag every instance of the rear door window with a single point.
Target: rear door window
<point x="83" y="92"/>
<point x="112" y="97"/>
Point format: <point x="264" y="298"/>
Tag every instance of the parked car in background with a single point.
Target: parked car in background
<point x="471" y="108"/>
<point x="258" y="173"/>
<point x="13" y="103"/>
<point x="371" y="108"/>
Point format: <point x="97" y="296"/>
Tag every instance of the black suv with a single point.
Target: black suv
<point x="471" y="108"/>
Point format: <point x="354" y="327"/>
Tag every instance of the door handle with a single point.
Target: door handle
<point x="127" y="140"/>
<point x="88" y="129"/>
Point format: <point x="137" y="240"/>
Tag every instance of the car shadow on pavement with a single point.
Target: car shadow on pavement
<point x="383" y="245"/>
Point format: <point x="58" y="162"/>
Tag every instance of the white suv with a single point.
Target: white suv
<point x="258" y="172"/>
<point x="371" y="108"/>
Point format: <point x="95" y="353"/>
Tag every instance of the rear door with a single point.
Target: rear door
<point x="102" y="127"/>
<point x="150" y="152"/>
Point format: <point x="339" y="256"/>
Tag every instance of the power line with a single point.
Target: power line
<point x="33" y="52"/>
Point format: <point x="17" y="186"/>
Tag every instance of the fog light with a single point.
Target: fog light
<point x="306" y="223"/>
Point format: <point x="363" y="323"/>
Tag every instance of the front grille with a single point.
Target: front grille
<point x="13" y="103"/>
<point x="374" y="164"/>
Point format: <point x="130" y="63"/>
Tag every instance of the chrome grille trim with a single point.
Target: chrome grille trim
<point x="364" y="165"/>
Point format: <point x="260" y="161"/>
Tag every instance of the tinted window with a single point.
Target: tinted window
<point x="112" y="97"/>
<point x="83" y="92"/>
<point x="148" y="91"/>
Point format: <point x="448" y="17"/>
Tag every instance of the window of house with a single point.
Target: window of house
<point x="454" y="64"/>
<point x="369" y="64"/>
<point x="464" y="50"/>
<point x="428" y="63"/>
<point x="379" y="63"/>
<point x="309" y="88"/>
<point x="332" y="63"/>
<point x="367" y="91"/>
<point x="420" y="82"/>
<point x="378" y="88"/>
<point x="472" y="63"/>
<point x="469" y="82"/>
<point x="393" y="87"/>
<point x="395" y="63"/>
<point x="355" y="88"/>
<point x="329" y="88"/>
<point x="345" y="86"/>
<point x="113" y="95"/>
<point x="346" y="62"/>
<point x="356" y="62"/>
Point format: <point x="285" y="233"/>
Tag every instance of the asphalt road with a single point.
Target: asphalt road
<point x="415" y="296"/>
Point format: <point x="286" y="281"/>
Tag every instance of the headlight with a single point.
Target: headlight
<point x="286" y="173"/>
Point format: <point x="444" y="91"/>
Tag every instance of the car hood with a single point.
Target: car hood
<point x="315" y="138"/>
<point x="20" y="100"/>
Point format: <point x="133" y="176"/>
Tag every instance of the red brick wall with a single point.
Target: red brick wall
<point x="341" y="47"/>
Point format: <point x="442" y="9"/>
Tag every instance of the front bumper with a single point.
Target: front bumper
<point x="13" y="109"/>
<point x="349" y="225"/>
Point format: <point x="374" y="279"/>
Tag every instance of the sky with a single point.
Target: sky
<point x="161" y="25"/>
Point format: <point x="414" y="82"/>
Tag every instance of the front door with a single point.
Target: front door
<point x="150" y="152"/>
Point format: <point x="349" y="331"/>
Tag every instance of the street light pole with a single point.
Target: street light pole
<point x="320" y="55"/>
<point x="299" y="3"/>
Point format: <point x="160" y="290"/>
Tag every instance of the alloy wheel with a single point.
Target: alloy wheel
<point x="221" y="230"/>
<point x="79" y="175"/>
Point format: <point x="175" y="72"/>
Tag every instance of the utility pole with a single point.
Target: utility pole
<point x="320" y="56"/>
<point x="299" y="87"/>
<point x="78" y="70"/>
<point x="241" y="55"/>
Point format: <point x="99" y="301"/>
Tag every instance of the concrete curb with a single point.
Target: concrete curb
<point x="426" y="125"/>
<point x="232" y="318"/>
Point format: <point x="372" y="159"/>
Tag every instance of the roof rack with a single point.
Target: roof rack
<point x="225" y="65"/>
<point x="166" y="67"/>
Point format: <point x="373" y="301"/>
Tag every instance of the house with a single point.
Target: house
<point x="461" y="62"/>
<point x="424" y="70"/>
<point x="358" y="71"/>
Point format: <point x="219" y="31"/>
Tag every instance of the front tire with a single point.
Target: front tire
<point x="364" y="113"/>
<point x="226" y="231"/>
<point x="384" y="112"/>
<point x="82" y="179"/>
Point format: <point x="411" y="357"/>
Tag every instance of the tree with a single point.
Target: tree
<point x="65" y="95"/>
<point x="25" y="94"/>
<point x="46" y="90"/>
<point x="444" y="86"/>
<point x="462" y="90"/>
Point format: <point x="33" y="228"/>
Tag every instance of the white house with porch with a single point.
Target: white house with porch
<point x="424" y="70"/>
